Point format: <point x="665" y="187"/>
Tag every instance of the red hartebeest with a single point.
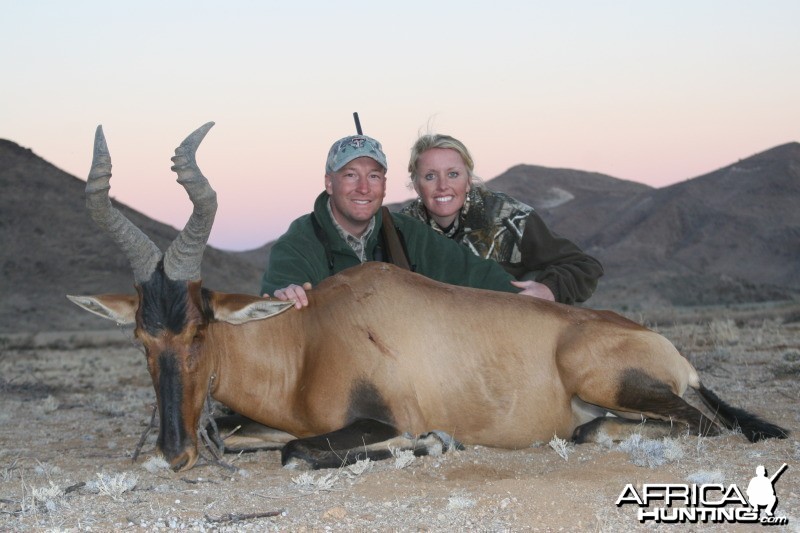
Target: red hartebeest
<point x="368" y="364"/>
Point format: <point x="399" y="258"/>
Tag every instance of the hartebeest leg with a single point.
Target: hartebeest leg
<point x="240" y="434"/>
<point x="618" y="429"/>
<point x="363" y="439"/>
<point x="662" y="413"/>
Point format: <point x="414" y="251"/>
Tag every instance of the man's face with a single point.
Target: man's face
<point x="357" y="192"/>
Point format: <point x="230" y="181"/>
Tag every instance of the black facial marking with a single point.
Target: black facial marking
<point x="172" y="435"/>
<point x="163" y="303"/>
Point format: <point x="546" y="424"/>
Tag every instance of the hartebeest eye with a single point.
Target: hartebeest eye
<point x="199" y="334"/>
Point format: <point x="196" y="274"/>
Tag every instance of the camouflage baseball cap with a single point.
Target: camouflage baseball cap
<point x="345" y="150"/>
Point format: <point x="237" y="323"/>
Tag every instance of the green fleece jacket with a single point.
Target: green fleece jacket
<point x="299" y="256"/>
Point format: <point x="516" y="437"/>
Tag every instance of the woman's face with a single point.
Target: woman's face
<point x="442" y="183"/>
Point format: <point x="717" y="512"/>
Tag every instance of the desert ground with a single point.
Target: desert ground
<point x="75" y="406"/>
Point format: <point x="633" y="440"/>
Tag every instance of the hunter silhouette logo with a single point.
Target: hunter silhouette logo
<point x="761" y="490"/>
<point x="711" y="503"/>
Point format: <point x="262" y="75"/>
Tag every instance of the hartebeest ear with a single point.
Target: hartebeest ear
<point x="242" y="308"/>
<point x="121" y="308"/>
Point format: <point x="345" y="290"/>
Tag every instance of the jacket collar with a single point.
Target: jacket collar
<point x="337" y="243"/>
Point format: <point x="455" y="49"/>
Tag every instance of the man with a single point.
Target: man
<point x="344" y="230"/>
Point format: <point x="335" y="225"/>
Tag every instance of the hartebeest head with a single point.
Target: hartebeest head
<point x="171" y="310"/>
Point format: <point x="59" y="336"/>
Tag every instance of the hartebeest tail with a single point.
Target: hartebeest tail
<point x="751" y="426"/>
<point x="367" y="365"/>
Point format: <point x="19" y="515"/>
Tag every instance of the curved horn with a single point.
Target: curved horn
<point x="142" y="253"/>
<point x="183" y="257"/>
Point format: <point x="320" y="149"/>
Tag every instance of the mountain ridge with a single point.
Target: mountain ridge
<point x="728" y="236"/>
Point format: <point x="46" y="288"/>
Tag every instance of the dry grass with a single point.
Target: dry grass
<point x="652" y="453"/>
<point x="561" y="447"/>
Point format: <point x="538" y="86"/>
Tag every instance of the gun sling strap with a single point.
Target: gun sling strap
<point x="391" y="238"/>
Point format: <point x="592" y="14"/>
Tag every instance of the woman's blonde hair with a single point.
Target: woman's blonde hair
<point x="438" y="140"/>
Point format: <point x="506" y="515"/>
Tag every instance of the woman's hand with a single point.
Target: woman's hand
<point x="535" y="289"/>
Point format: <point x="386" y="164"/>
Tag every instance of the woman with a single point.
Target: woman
<point x="454" y="202"/>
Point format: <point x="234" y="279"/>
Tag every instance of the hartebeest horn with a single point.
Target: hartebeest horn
<point x="142" y="253"/>
<point x="183" y="257"/>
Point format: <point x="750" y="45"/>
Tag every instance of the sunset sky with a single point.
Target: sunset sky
<point x="650" y="91"/>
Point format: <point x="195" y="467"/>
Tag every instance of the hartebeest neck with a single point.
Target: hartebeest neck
<point x="257" y="367"/>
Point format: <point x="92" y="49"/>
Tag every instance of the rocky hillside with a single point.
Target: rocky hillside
<point x="729" y="236"/>
<point x="50" y="248"/>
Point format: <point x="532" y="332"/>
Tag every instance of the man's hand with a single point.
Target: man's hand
<point x="535" y="289"/>
<point x="296" y="293"/>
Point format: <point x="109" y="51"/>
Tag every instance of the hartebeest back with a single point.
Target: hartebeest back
<point x="368" y="363"/>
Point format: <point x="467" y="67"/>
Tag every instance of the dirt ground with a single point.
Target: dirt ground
<point x="73" y="407"/>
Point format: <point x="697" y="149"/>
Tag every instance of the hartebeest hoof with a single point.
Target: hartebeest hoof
<point x="436" y="443"/>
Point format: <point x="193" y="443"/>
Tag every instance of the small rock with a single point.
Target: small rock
<point x="335" y="513"/>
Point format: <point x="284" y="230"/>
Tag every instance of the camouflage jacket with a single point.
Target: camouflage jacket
<point x="495" y="226"/>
